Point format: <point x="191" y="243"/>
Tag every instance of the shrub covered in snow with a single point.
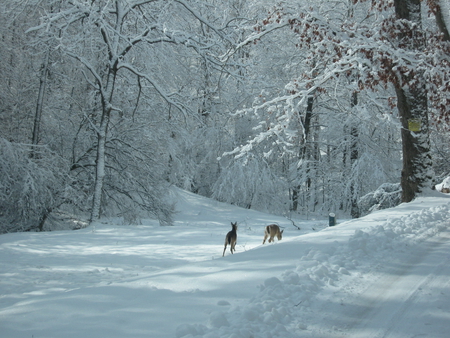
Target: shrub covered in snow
<point x="444" y="186"/>
<point x="388" y="195"/>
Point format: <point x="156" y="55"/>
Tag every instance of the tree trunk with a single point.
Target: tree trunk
<point x="106" y="101"/>
<point x="100" y="166"/>
<point x="303" y="155"/>
<point x="40" y="99"/>
<point x="412" y="106"/>
<point x="440" y="19"/>
<point x="354" y="134"/>
<point x="102" y="134"/>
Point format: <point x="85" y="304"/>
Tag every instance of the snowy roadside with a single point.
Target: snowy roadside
<point x="309" y="300"/>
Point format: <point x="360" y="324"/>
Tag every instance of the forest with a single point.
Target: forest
<point x="287" y="107"/>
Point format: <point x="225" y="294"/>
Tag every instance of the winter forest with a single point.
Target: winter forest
<point x="290" y="107"/>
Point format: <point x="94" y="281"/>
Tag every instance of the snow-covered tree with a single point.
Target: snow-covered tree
<point x="122" y="48"/>
<point x="412" y="100"/>
<point x="348" y="48"/>
<point x="250" y="182"/>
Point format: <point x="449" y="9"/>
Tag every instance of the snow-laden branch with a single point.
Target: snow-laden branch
<point x="305" y="93"/>
<point x="165" y="96"/>
<point x="281" y="130"/>
<point x="135" y="4"/>
<point x="68" y="16"/>
<point x="91" y="69"/>
<point x="254" y="36"/>
<point x="200" y="18"/>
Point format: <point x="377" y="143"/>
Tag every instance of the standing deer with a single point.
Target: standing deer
<point x="272" y="231"/>
<point x="231" y="238"/>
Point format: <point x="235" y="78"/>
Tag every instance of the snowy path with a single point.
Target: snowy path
<point x="406" y="298"/>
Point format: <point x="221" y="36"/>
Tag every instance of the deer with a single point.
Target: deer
<point x="231" y="238"/>
<point x="272" y="231"/>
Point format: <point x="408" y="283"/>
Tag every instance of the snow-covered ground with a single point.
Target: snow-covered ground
<point x="384" y="275"/>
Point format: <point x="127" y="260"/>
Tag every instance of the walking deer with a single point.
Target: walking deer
<point x="272" y="231"/>
<point x="231" y="238"/>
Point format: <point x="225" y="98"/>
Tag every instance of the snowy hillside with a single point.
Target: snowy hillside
<point x="384" y="275"/>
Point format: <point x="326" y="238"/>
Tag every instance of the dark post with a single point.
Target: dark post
<point x="331" y="220"/>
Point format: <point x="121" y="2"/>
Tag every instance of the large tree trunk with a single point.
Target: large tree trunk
<point x="102" y="134"/>
<point x="416" y="149"/>
<point x="304" y="154"/>
<point x="438" y="7"/>
<point x="413" y="108"/>
<point x="106" y="100"/>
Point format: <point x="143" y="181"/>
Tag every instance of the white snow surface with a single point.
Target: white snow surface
<point x="384" y="275"/>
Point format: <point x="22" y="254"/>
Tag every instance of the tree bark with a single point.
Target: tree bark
<point x="107" y="94"/>
<point x="412" y="106"/>
<point x="100" y="161"/>
<point x="354" y="154"/>
<point x="304" y="154"/>
<point x="440" y="19"/>
<point x="99" y="167"/>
